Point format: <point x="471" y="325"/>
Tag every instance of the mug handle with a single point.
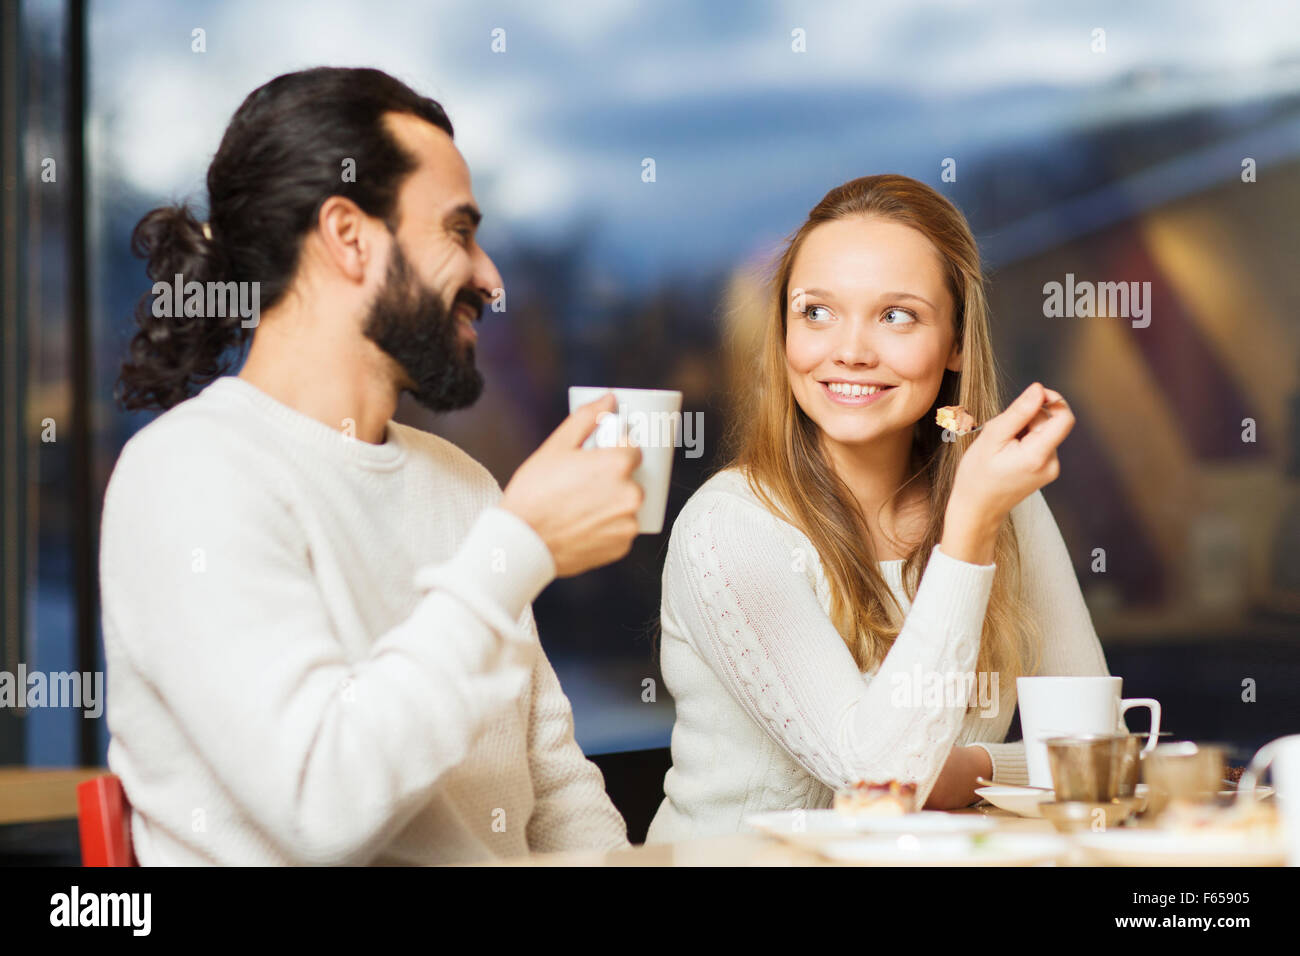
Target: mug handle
<point x="1263" y="757"/>
<point x="1153" y="737"/>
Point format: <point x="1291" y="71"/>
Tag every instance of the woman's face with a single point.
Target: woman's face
<point x="868" y="305"/>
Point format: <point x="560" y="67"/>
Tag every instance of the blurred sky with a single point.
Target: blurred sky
<point x="555" y="128"/>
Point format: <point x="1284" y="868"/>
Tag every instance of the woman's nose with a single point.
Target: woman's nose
<point x="855" y="346"/>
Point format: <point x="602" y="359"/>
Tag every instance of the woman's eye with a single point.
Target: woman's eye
<point x="908" y="318"/>
<point x="811" y="312"/>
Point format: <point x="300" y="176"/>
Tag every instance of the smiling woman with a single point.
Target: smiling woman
<point x="881" y="285"/>
<point x="837" y="341"/>
<point x="794" y="597"/>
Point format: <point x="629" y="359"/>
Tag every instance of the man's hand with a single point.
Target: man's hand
<point x="581" y="501"/>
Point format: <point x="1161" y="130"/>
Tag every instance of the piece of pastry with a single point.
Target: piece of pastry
<point x="955" y="418"/>
<point x="890" y="798"/>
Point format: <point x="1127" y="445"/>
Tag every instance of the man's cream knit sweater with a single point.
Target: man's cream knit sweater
<point x="322" y="651"/>
<point x="772" y="712"/>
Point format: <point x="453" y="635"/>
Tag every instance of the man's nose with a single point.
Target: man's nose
<point x="486" y="279"/>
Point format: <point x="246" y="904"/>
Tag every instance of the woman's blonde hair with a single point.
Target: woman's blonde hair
<point x="778" y="446"/>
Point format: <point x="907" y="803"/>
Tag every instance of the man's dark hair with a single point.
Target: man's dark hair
<point x="283" y="155"/>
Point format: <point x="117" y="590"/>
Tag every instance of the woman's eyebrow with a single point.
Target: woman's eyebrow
<point x="822" y="293"/>
<point x="907" y="295"/>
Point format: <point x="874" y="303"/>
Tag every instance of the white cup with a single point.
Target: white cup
<point x="651" y="419"/>
<point x="1068" y="706"/>
<point x="1284" y="755"/>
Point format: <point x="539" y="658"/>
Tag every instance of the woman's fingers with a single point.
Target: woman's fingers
<point x="1039" y="418"/>
<point x="1048" y="429"/>
<point x="1015" y="453"/>
<point x="1018" y="416"/>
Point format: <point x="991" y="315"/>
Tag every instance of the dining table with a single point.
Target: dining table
<point x="38" y="794"/>
<point x="758" y="849"/>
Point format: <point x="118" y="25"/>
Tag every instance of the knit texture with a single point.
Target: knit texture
<point x="322" y="651"/>
<point x="772" y="712"/>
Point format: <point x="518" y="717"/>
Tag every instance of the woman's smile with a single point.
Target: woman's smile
<point x="854" y="394"/>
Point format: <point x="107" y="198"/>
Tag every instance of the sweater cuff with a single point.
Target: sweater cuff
<point x="954" y="594"/>
<point x="1009" y="765"/>
<point x="499" y="568"/>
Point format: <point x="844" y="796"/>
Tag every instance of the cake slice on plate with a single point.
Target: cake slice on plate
<point x="890" y="798"/>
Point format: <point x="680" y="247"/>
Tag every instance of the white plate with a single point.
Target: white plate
<point x="994" y="849"/>
<point x="1261" y="793"/>
<point x="819" y="826"/>
<point x="1024" y="802"/>
<point x="1139" y="847"/>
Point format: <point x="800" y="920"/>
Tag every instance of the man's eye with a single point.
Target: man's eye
<point x="907" y="316"/>
<point x="810" y="313"/>
<point x="465" y="235"/>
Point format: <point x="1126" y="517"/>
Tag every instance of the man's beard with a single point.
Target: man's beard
<point x="408" y="321"/>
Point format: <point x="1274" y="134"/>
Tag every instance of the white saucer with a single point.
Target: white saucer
<point x="813" y="827"/>
<point x="1023" y="801"/>
<point x="993" y="849"/>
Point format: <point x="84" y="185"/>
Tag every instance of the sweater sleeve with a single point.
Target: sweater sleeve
<point x="208" y="592"/>
<point x="1061" y="621"/>
<point x="573" y="811"/>
<point x="737" y="590"/>
<point x="1008" y="759"/>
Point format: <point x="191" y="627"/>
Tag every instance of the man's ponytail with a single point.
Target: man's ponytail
<point x="173" y="355"/>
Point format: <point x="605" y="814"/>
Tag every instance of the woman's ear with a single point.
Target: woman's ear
<point x="954" y="359"/>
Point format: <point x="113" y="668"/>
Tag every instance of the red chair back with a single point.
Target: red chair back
<point x="104" y="820"/>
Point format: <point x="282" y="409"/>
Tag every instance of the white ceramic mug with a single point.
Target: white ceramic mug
<point x="651" y="419"/>
<point x="1066" y="706"/>
<point x="1284" y="755"/>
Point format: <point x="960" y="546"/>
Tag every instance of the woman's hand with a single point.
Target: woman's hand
<point x="1014" y="456"/>
<point x="955" y="787"/>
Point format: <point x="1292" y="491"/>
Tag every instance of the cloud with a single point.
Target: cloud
<point x="555" y="128"/>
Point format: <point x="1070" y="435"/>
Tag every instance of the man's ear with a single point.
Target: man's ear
<point x="346" y="241"/>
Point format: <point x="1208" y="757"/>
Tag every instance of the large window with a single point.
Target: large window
<point x="48" y="513"/>
<point x="1121" y="156"/>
